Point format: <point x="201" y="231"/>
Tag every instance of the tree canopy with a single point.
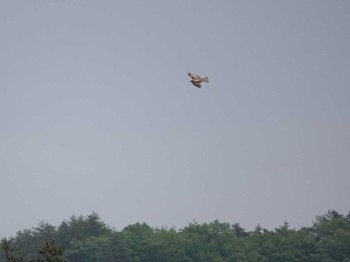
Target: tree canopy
<point x="88" y="238"/>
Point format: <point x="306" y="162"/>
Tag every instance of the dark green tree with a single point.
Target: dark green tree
<point x="332" y="232"/>
<point x="116" y="251"/>
<point x="48" y="252"/>
<point x="139" y="241"/>
<point x="9" y="252"/>
<point x="212" y="242"/>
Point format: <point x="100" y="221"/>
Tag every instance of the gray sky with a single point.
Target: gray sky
<point x="97" y="112"/>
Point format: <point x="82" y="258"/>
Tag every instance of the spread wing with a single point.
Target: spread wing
<point x="197" y="84"/>
<point x="193" y="76"/>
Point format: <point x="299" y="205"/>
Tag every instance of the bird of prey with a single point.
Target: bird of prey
<point x="197" y="80"/>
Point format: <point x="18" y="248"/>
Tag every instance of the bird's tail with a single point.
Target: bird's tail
<point x="205" y="79"/>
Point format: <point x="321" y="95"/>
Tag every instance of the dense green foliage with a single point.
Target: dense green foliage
<point x="87" y="238"/>
<point x="49" y="252"/>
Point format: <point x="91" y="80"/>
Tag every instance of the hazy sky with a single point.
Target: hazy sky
<point x="97" y="112"/>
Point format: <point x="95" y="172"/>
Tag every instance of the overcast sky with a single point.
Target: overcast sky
<point x="97" y="112"/>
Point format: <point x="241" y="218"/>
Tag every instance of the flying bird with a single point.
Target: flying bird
<point x="197" y="80"/>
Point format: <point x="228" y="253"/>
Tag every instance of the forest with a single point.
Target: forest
<point x="88" y="238"/>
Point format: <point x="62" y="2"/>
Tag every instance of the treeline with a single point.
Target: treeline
<point x="88" y="238"/>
